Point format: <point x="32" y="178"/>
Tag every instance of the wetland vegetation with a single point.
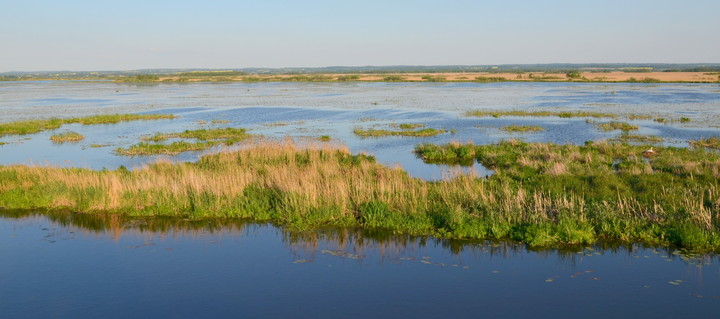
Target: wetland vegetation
<point x="35" y="126"/>
<point x="405" y="130"/>
<point x="67" y="137"/>
<point x="541" y="194"/>
<point x="522" y="128"/>
<point x="615" y="125"/>
<point x="203" y="139"/>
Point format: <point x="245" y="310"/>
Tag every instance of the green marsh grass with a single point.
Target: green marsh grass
<point x="564" y="114"/>
<point x="206" y="138"/>
<point x="522" y="128"/>
<point x="35" y="126"/>
<point x="227" y="133"/>
<point x="615" y="192"/>
<point x="425" y="132"/>
<point x="711" y="142"/>
<point x="173" y="148"/>
<point x="541" y="194"/>
<point x="627" y="137"/>
<point x="614" y="126"/>
<point x="67" y="137"/>
<point x="410" y="126"/>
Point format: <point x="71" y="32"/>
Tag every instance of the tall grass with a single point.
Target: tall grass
<point x="540" y="194"/>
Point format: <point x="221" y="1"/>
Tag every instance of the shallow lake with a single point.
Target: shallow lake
<point x="307" y="111"/>
<point x="77" y="266"/>
<point x="72" y="265"/>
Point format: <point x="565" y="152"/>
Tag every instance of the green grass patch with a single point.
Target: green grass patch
<point x="564" y="114"/>
<point x="173" y="148"/>
<point x="613" y="126"/>
<point x="627" y="137"/>
<point x="410" y="126"/>
<point x="203" y="139"/>
<point x="34" y="126"/>
<point x="393" y="78"/>
<point x="325" y="138"/>
<point x="522" y="128"/>
<point x="711" y="142"/>
<point x="228" y="133"/>
<point x="406" y="132"/>
<point x="67" y="137"/>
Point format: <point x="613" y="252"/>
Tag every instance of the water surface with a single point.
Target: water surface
<point x="78" y="266"/>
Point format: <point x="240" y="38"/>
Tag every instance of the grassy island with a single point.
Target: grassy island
<point x="35" y="126"/>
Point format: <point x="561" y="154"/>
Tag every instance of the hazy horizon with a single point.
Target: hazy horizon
<point x="132" y="35"/>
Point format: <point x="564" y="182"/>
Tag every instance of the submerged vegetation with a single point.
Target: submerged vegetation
<point x="67" y="137"/>
<point x="34" y="126"/>
<point x="206" y="138"/>
<point x="540" y="194"/>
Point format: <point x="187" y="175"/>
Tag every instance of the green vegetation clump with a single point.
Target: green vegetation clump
<point x="67" y="137"/>
<point x="325" y="138"/>
<point x="613" y="126"/>
<point x="393" y="78"/>
<point x="345" y="78"/>
<point x="684" y="120"/>
<point x="522" y="128"/>
<point x="379" y="132"/>
<point x="227" y="133"/>
<point x="643" y="80"/>
<point x="173" y="148"/>
<point x="619" y="192"/>
<point x="489" y="79"/>
<point x="140" y="78"/>
<point x="34" y="126"/>
<point x="206" y="138"/>
<point x="410" y="126"/>
<point x="626" y="137"/>
<point x="430" y="78"/>
<point x="712" y="142"/>
<point x="575" y="74"/>
<point x="564" y="114"/>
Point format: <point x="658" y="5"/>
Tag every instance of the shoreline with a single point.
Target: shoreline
<point x="410" y="77"/>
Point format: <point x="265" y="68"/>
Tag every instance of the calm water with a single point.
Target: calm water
<point x="310" y="110"/>
<point x="75" y="266"/>
<point x="81" y="266"/>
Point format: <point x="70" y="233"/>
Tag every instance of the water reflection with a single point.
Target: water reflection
<point x="235" y="268"/>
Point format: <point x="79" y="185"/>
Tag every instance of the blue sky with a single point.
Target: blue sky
<point x="123" y="35"/>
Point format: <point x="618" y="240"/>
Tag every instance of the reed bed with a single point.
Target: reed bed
<point x="540" y="194"/>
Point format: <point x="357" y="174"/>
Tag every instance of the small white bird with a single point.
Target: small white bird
<point x="648" y="153"/>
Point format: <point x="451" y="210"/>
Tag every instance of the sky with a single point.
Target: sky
<point x="150" y="34"/>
